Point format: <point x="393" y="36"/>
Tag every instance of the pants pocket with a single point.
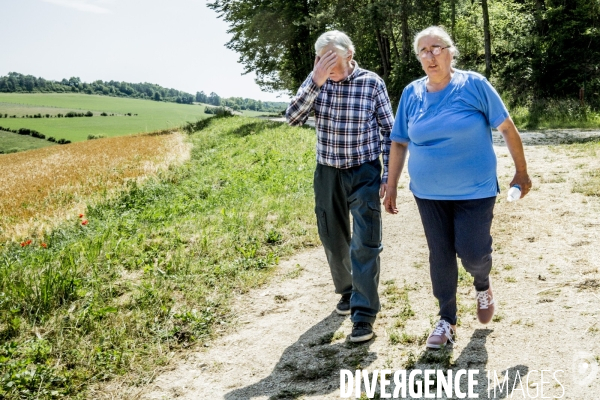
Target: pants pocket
<point x="322" y="222"/>
<point x="375" y="221"/>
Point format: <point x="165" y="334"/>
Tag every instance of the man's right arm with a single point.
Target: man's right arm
<point x="301" y="104"/>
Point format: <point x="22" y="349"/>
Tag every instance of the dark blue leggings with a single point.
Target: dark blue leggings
<point x="457" y="228"/>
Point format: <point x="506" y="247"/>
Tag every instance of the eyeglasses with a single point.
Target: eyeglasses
<point x="435" y="51"/>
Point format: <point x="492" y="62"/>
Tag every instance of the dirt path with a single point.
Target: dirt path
<point x="288" y="342"/>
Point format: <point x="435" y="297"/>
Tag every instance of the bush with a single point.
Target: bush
<point x="92" y="137"/>
<point x="52" y="139"/>
<point x="103" y="114"/>
<point x="73" y="114"/>
<point x="63" y="141"/>
<point x="89" y="114"/>
<point x="26" y="131"/>
<point x="220" y="111"/>
<point x="37" y="134"/>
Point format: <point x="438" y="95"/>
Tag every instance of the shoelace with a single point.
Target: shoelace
<point x="443" y="328"/>
<point x="484" y="300"/>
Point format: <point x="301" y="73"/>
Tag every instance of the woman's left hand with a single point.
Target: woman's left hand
<point x="522" y="179"/>
<point x="515" y="147"/>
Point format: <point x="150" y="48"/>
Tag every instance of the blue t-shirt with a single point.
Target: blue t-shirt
<point x="449" y="137"/>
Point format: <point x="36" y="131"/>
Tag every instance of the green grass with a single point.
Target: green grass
<point x="151" y="115"/>
<point x="555" y="114"/>
<point x="154" y="270"/>
<point x="12" y="142"/>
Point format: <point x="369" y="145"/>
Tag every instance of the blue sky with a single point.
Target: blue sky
<point x="176" y="44"/>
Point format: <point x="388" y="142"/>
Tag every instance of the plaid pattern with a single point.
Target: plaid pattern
<point x="353" y="118"/>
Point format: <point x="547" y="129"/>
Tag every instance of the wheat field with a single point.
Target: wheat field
<point x="42" y="187"/>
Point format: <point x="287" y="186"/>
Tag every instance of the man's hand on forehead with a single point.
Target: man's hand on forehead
<point x="323" y="66"/>
<point x="325" y="55"/>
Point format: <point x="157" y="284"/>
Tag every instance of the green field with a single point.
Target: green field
<point x="11" y="142"/>
<point x="151" y="115"/>
<point x="20" y="110"/>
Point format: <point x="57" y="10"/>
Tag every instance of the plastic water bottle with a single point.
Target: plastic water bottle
<point x="514" y="193"/>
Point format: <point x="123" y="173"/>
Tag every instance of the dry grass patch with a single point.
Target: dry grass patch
<point x="41" y="187"/>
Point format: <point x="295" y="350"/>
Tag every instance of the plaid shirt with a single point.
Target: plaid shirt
<point x="353" y="118"/>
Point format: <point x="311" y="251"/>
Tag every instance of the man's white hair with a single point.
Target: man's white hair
<point x="338" y="39"/>
<point x="439" y="33"/>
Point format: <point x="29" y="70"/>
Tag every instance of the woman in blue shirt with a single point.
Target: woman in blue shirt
<point x="445" y="121"/>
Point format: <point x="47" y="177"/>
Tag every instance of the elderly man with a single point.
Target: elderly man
<point x="353" y="121"/>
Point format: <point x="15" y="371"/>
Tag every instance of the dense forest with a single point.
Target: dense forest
<point x="532" y="50"/>
<point x="19" y="83"/>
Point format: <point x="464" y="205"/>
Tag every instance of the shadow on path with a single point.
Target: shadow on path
<point x="311" y="365"/>
<point x="475" y="357"/>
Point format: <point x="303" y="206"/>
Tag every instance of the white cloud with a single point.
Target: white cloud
<point x="81" y="5"/>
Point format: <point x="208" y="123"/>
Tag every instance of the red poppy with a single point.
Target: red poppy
<point x="80" y="215"/>
<point x="23" y="244"/>
<point x="28" y="242"/>
<point x="84" y="222"/>
<point x="44" y="245"/>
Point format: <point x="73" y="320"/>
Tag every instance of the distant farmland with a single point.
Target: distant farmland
<point x="151" y="115"/>
<point x="9" y="141"/>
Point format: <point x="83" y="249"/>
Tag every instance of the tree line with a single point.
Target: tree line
<point x="239" y="103"/>
<point x="18" y="83"/>
<point x="530" y="49"/>
<point x="70" y="114"/>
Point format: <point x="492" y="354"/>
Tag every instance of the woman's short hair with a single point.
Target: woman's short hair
<point x="441" y="34"/>
<point x="338" y="39"/>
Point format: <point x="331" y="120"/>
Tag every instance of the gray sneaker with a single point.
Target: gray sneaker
<point x="343" y="306"/>
<point x="361" y="332"/>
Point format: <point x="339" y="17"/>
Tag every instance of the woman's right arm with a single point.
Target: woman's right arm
<point x="398" y="149"/>
<point x="396" y="164"/>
